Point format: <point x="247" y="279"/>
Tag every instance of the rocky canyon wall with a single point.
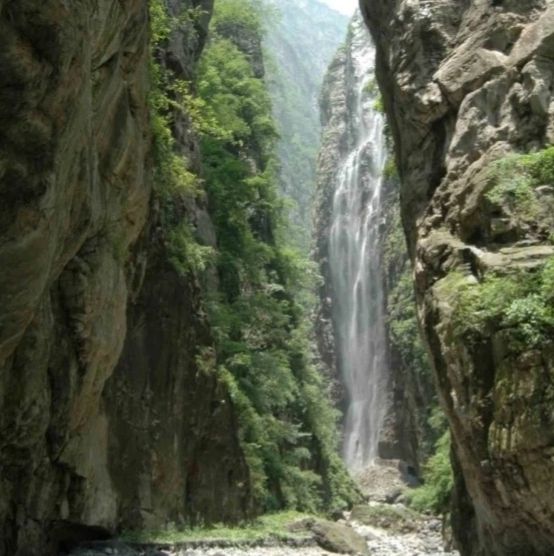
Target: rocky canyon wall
<point x="106" y="418"/>
<point x="467" y="87"/>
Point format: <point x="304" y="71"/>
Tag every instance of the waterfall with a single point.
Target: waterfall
<point x="355" y="261"/>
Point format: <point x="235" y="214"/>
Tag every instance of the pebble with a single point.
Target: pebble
<point x="275" y="551"/>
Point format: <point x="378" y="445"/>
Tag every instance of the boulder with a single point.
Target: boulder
<point x="339" y="538"/>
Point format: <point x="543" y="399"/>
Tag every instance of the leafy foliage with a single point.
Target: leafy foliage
<point x="287" y="426"/>
<point x="521" y="303"/>
<point x="185" y="253"/>
<point x="371" y="88"/>
<point x="378" y="104"/>
<point x="237" y="14"/>
<point x="403" y="325"/>
<point x="302" y="39"/>
<point x="515" y="177"/>
<point x="173" y="181"/>
<point x="434" y="495"/>
<point x="390" y="171"/>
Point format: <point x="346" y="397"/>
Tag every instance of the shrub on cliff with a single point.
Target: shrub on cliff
<point x="434" y="494"/>
<point x="288" y="428"/>
<point x="519" y="303"/>
<point x="514" y="180"/>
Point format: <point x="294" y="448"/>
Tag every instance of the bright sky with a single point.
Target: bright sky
<point x="345" y="6"/>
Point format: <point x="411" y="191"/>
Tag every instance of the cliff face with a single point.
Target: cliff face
<point x="407" y="389"/>
<point x="407" y="431"/>
<point x="465" y="84"/>
<point x="174" y="454"/>
<point x="85" y="283"/>
<point x="334" y="114"/>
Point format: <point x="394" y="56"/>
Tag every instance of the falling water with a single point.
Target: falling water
<point x="355" y="260"/>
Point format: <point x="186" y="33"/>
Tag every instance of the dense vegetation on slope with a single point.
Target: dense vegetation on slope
<point x="408" y="353"/>
<point x="255" y="303"/>
<point x="301" y="39"/>
<point x="175" y="181"/>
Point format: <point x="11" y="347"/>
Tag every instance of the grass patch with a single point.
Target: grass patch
<point x="515" y="178"/>
<point x="521" y="303"/>
<point x="271" y="526"/>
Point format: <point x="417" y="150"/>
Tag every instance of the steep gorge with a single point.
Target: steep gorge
<point x="467" y="86"/>
<point x="156" y="359"/>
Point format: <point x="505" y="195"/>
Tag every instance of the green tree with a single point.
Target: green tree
<point x="287" y="425"/>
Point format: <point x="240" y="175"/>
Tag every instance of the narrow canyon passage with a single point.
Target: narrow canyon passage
<point x="276" y="277"/>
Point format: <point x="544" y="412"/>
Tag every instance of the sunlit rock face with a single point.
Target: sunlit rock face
<point x="465" y="84"/>
<point x="89" y="437"/>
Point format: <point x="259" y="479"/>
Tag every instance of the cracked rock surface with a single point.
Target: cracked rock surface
<point x="466" y="83"/>
<point x="98" y="334"/>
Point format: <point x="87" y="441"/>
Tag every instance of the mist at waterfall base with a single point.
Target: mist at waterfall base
<point x="355" y="260"/>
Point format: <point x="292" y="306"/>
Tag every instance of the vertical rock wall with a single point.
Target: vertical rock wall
<point x="75" y="194"/>
<point x="334" y="113"/>
<point x="85" y="441"/>
<point x="407" y="431"/>
<point x="466" y="83"/>
<point x="174" y="450"/>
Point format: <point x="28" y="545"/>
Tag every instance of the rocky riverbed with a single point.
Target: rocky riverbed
<point x="420" y="536"/>
<point x="426" y="541"/>
<point x="379" y="527"/>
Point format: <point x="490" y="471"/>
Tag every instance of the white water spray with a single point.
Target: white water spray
<point x="355" y="261"/>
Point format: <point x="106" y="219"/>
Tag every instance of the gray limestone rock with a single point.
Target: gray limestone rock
<point x="493" y="64"/>
<point x="339" y="538"/>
